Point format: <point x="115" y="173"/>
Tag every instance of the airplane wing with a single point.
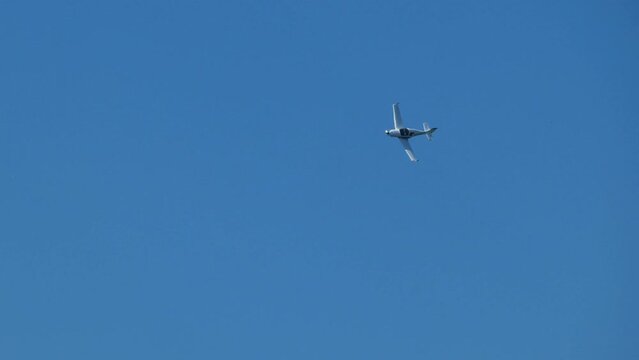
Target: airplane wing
<point x="408" y="149"/>
<point x="397" y="117"/>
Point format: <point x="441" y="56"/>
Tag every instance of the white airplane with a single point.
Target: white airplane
<point x="403" y="134"/>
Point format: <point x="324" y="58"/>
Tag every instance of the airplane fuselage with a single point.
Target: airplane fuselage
<point x="405" y="133"/>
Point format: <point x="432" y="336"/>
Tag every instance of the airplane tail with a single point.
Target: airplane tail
<point x="429" y="131"/>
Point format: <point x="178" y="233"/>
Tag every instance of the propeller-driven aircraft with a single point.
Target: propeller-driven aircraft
<point x="403" y="133"/>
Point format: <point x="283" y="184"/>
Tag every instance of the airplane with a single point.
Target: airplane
<point x="403" y="134"/>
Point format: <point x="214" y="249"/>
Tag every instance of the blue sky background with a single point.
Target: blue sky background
<point x="212" y="180"/>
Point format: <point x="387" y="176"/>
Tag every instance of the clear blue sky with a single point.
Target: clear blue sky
<point x="211" y="180"/>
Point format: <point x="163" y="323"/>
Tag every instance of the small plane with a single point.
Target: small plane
<point x="403" y="134"/>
